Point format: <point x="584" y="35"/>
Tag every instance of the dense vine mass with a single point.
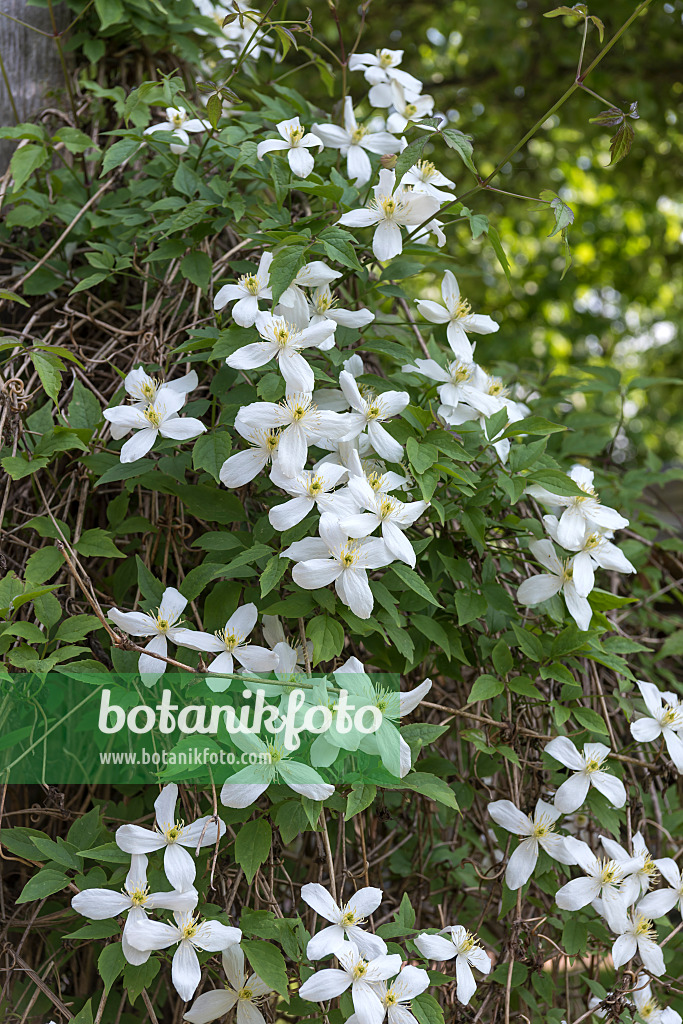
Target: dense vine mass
<point x="372" y="497"/>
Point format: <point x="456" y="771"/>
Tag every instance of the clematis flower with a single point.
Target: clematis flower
<point x="191" y="934"/>
<point x="230" y="645"/>
<point x="588" y="771"/>
<point x="283" y="342"/>
<point x="642" y="873"/>
<point x="310" y="489"/>
<point x="462" y="945"/>
<point x="158" y="417"/>
<point x="358" y="974"/>
<point x="533" y="832"/>
<point x="392" y="515"/>
<point x="160" y="627"/>
<point x="355" y="141"/>
<point x="290" y="654"/>
<point x="407" y="105"/>
<point x="457" y="313"/>
<point x="658" y="903"/>
<point x="143" y="390"/>
<point x="301" y="422"/>
<point x="102" y="904"/>
<point x="581" y="514"/>
<point x="275" y="764"/>
<point x="178" y="122"/>
<point x="640" y="937"/>
<point x="666" y="720"/>
<point x="171" y="836"/>
<point x="296" y="143"/>
<point x="560" y="578"/>
<point x="390" y="211"/>
<point x="594" y="549"/>
<point x="424" y="177"/>
<point x="335" y="558"/>
<point x="345" y="921"/>
<point x="246" y="993"/>
<point x="411" y="982"/>
<point x="315" y="274"/>
<point x="243" y="466"/>
<point x="603" y="880"/>
<point x="321" y="306"/>
<point x="370" y="411"/>
<point x="647" y="1006"/>
<point x="248" y="290"/>
<point x="383" y="66"/>
<point x="460" y="382"/>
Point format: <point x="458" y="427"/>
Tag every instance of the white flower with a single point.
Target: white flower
<point x="321" y="306"/>
<point x="301" y="423"/>
<point x="383" y="510"/>
<point x="290" y="655"/>
<point x="602" y="881"/>
<point x="101" y="904"/>
<point x="283" y="342"/>
<point x="411" y="982"/>
<point x="143" y="390"/>
<point x="370" y="410"/>
<point x="383" y="66"/>
<point x="658" y="903"/>
<point x="424" y="177"/>
<point x="179" y="124"/>
<point x="360" y="976"/>
<point x="467" y="952"/>
<point x="353" y="140"/>
<point x="160" y="627"/>
<point x="581" y="512"/>
<point x="310" y="489"/>
<point x="242" y="467"/>
<point x="643" y="868"/>
<point x="638" y="936"/>
<point x="230" y="644"/>
<point x="248" y="290"/>
<point x="457" y="313"/>
<point x="171" y="836"/>
<point x="373" y="472"/>
<point x="533" y="832"/>
<point x="334" y="558"/>
<point x="315" y="274"/>
<point x="408" y="106"/>
<point x="648" y="1007"/>
<point x="244" y="992"/>
<point x="560" y="578"/>
<point x="296" y="143"/>
<point x="274" y="765"/>
<point x="666" y="720"/>
<point x="594" y="549"/>
<point x="192" y="934"/>
<point x="345" y="921"/>
<point x="588" y="771"/>
<point x="390" y="211"/>
<point x="461" y="382"/>
<point x="157" y="417"/>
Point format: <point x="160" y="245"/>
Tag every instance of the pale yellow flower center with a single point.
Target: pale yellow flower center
<point x="315" y="487"/>
<point x="426" y="169"/>
<point x="251" y="283"/>
<point x="543" y="827"/>
<point x="360" y="133"/>
<point x="296" y="135"/>
<point x="245" y="994"/>
<point x="231" y="640"/>
<point x="360" y="970"/>
<point x="153" y="416"/>
<point x="644" y="929"/>
<point x="138" y="897"/>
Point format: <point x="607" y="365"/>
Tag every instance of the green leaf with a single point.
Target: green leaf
<point x="328" y="638"/>
<point x="432" y="787"/>
<point x="109" y="12"/>
<point x="411" y="155"/>
<point x="214" y="109"/>
<point x="118" y="153"/>
<point x="422" y="456"/>
<point x="359" y="798"/>
<point x="17" y="467"/>
<point x="210" y="452"/>
<point x="495" y="241"/>
<point x="109" y="853"/>
<point x="484" y="688"/>
<point x="252" y="846"/>
<point x="575" y="936"/>
<point x="48" y="368"/>
<point x="590" y="719"/>
<point x="45" y="883"/>
<point x="462" y="144"/>
<point x="150" y="586"/>
<point x="196" y="267"/>
<point x="620" y="143"/>
<point x="137" y="978"/>
<point x="564" y="215"/>
<point x="77" y="627"/>
<point x="469" y="606"/>
<point x="272" y="574"/>
<point x="427" y="1009"/>
<point x="110" y="964"/>
<point x="268" y="962"/>
<point x="97" y="543"/>
<point x="25" y="161"/>
<point x="415" y="582"/>
<point x="285" y="266"/>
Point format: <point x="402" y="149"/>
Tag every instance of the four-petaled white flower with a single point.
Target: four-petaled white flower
<point x="143" y="390"/>
<point x="666" y="721"/>
<point x="296" y="143"/>
<point x="383" y="66"/>
<point x="321" y="306"/>
<point x="309" y="489"/>
<point x="390" y="211"/>
<point x="191" y="934"/>
<point x="407" y="105"/>
<point x="460" y="383"/>
<point x="335" y="558"/>
<point x="246" y="993"/>
<point x="424" y="177"/>
<point x="643" y="872"/>
<point x="171" y="836"/>
<point x="179" y="124"/>
<point x="462" y="945"/>
<point x="101" y="904"/>
<point x="658" y="903"/>
<point x="370" y="411"/>
<point x="358" y="974"/>
<point x="355" y="141"/>
<point x="535" y="832"/>
<point x="457" y="313"/>
<point x="345" y="921"/>
<point x="248" y="290"/>
<point x="588" y="771"/>
<point x="392" y="515"/>
<point x="639" y="936"/>
<point x="315" y="274"/>
<point x="648" y="1007"/>
<point x="242" y="467"/>
<point x="271" y="762"/>
<point x="595" y="549"/>
<point x="603" y="880"/>
<point x="560" y="578"/>
<point x="230" y="644"/>
<point x="159" y="416"/>
<point x="411" y="982"/>
<point x="581" y="511"/>
<point x="283" y="342"/>
<point x="161" y="627"/>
